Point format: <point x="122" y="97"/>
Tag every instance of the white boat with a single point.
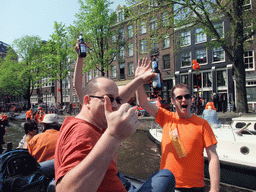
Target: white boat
<point x="236" y="150"/>
<point x="239" y="122"/>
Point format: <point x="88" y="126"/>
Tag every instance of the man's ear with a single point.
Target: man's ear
<point x="87" y="99"/>
<point x="172" y="101"/>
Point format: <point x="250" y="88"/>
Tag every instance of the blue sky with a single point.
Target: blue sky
<point x="36" y="17"/>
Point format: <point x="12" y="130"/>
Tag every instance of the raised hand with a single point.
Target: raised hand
<point x="144" y="70"/>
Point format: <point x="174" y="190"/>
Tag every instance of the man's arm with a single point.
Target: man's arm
<point x="89" y="173"/>
<point x="214" y="168"/>
<point x="78" y="75"/>
<point x="141" y="94"/>
<point x="144" y="75"/>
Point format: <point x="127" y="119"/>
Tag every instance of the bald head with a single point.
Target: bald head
<point x="97" y="84"/>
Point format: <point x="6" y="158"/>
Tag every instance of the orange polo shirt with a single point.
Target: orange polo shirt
<point x="42" y="146"/>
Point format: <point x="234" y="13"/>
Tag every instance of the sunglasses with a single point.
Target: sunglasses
<point x="187" y="96"/>
<point x="112" y="99"/>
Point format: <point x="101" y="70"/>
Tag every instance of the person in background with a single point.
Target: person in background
<point x="2" y="133"/>
<point x="29" y="115"/>
<point x="41" y="114"/>
<point x="42" y="146"/>
<point x="185" y="136"/>
<point x="85" y="157"/>
<point x="210" y="114"/>
<point x="31" y="129"/>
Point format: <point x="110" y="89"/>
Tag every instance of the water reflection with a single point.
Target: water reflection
<point x="138" y="156"/>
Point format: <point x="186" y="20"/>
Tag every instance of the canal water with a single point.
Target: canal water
<point x="137" y="156"/>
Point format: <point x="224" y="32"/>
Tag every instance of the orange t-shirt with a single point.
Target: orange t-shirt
<point x="42" y="146"/>
<point x="183" y="144"/>
<point x="76" y="140"/>
<point x="28" y="114"/>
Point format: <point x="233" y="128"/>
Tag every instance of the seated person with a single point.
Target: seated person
<point x="210" y="114"/>
<point x="31" y="129"/>
<point x="42" y="146"/>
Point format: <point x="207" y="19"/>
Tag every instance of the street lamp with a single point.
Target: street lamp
<point x="196" y="67"/>
<point x="46" y="92"/>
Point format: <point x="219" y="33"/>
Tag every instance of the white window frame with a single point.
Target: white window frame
<point x="113" y="71"/>
<point x="200" y="37"/>
<point x="166" y="41"/>
<point x="217" y="50"/>
<point x="143" y="27"/>
<point x="143" y="46"/>
<point x="130" y="69"/>
<point x="251" y="62"/>
<point x="130" y="50"/>
<point x="185" y="37"/>
<point x="201" y="52"/>
<point x="130" y="31"/>
<point x="186" y="55"/>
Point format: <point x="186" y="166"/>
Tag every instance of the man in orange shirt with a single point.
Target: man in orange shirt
<point x="41" y="114"/>
<point x="185" y="136"/>
<point x="29" y="114"/>
<point x="42" y="146"/>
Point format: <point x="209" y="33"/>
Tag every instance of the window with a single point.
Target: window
<point x="153" y="23"/>
<point x="165" y="19"/>
<point x="130" y="31"/>
<point x="113" y="38"/>
<point x="166" y="61"/>
<point x="200" y="36"/>
<point x="113" y="71"/>
<point x="143" y="28"/>
<point x="186" y="59"/>
<point x="130" y="68"/>
<point x="219" y="28"/>
<point x="185" y="38"/>
<point x="130" y="50"/>
<point x="221" y="78"/>
<point x="249" y="60"/>
<point x="143" y="46"/>
<point x="247" y="4"/>
<point x="247" y="30"/>
<point x="207" y="79"/>
<point x="184" y="79"/>
<point x="47" y="83"/>
<point x="120" y="16"/>
<point x="121" y="35"/>
<point x="121" y="53"/>
<point x="166" y="41"/>
<point x="201" y="56"/>
<point x="95" y="73"/>
<point x="122" y="72"/>
<point x="218" y="55"/>
<point x="89" y="75"/>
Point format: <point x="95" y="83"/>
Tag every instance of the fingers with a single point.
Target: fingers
<point x="107" y="105"/>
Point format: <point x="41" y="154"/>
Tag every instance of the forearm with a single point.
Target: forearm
<point x="78" y="73"/>
<point x="88" y="175"/>
<point x="144" y="103"/>
<point x="128" y="90"/>
<point x="214" y="172"/>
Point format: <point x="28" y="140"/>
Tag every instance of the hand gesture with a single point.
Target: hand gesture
<point x="144" y="71"/>
<point x="121" y="123"/>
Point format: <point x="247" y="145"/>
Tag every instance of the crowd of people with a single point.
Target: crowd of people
<point x="83" y="151"/>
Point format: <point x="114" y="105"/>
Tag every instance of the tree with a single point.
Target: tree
<point x="56" y="56"/>
<point x="20" y="76"/>
<point x="205" y="14"/>
<point x="95" y="21"/>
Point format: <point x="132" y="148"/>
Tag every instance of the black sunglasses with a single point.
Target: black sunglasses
<point x="187" y="96"/>
<point x="118" y="100"/>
